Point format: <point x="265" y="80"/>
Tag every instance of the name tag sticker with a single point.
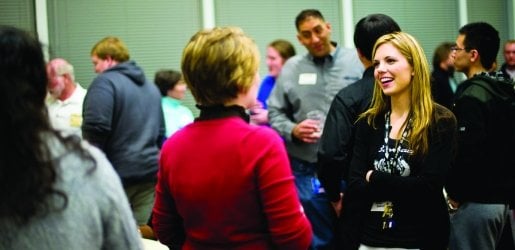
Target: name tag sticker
<point x="308" y="79"/>
<point x="75" y="120"/>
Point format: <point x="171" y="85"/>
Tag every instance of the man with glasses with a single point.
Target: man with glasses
<point x="481" y="183"/>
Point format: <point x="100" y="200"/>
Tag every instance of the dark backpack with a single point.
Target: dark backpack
<point x="504" y="92"/>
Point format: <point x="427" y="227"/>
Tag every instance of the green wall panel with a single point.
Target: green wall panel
<point x="155" y="32"/>
<point x="267" y="20"/>
<point x="18" y="13"/>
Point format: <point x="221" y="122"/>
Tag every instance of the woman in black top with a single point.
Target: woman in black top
<point x="403" y="150"/>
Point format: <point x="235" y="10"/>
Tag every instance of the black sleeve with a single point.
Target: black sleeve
<point x="361" y="161"/>
<point x="356" y="201"/>
<point x="333" y="153"/>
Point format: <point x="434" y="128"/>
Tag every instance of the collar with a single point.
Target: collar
<point x="329" y="57"/>
<point x="171" y="101"/>
<point x="221" y="111"/>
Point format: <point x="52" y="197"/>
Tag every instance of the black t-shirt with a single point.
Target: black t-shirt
<point x="403" y="232"/>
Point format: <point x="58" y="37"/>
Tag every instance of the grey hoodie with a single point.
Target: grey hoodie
<point x="123" y="117"/>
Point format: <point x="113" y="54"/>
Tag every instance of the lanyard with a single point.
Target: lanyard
<point x="391" y="162"/>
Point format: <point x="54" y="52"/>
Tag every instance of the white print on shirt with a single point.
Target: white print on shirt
<point x="402" y="166"/>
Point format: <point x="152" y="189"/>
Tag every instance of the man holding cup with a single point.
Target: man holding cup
<point x="319" y="117"/>
<point x="307" y="83"/>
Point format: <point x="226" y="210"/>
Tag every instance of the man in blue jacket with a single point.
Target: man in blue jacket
<point x="123" y="117"/>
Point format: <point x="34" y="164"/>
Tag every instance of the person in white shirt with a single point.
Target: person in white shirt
<point x="65" y="97"/>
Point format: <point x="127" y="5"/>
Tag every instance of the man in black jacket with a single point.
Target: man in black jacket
<point x="480" y="184"/>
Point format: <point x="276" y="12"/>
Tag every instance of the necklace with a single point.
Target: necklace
<point x="388" y="221"/>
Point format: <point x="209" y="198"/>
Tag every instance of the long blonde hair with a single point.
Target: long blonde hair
<point x="421" y="109"/>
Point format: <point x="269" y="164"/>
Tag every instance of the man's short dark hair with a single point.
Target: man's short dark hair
<point x="484" y="38"/>
<point x="303" y="15"/>
<point x="369" y="29"/>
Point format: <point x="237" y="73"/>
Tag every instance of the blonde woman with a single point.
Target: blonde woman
<point x="403" y="150"/>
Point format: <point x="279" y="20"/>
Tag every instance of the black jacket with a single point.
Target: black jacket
<point x="335" y="150"/>
<point x="420" y="209"/>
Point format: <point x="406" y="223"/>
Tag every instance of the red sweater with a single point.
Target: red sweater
<point x="224" y="184"/>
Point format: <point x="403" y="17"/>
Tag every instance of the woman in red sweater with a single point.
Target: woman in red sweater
<point x="222" y="183"/>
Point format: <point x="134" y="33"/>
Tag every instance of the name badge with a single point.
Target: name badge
<point x="378" y="206"/>
<point x="75" y="120"/>
<point x="308" y="79"/>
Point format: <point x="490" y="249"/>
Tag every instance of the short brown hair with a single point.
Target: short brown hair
<point x="113" y="47"/>
<point x="219" y="63"/>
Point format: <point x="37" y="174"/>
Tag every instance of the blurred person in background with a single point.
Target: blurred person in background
<point x="123" y="117"/>
<point x="173" y="89"/>
<point x="65" y="97"/>
<point x="443" y="82"/>
<point x="277" y="52"/>
<point x="508" y="67"/>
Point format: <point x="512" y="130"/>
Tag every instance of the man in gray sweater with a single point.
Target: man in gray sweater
<point x="307" y="83"/>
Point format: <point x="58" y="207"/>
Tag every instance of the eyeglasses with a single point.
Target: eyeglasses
<point x="456" y="48"/>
